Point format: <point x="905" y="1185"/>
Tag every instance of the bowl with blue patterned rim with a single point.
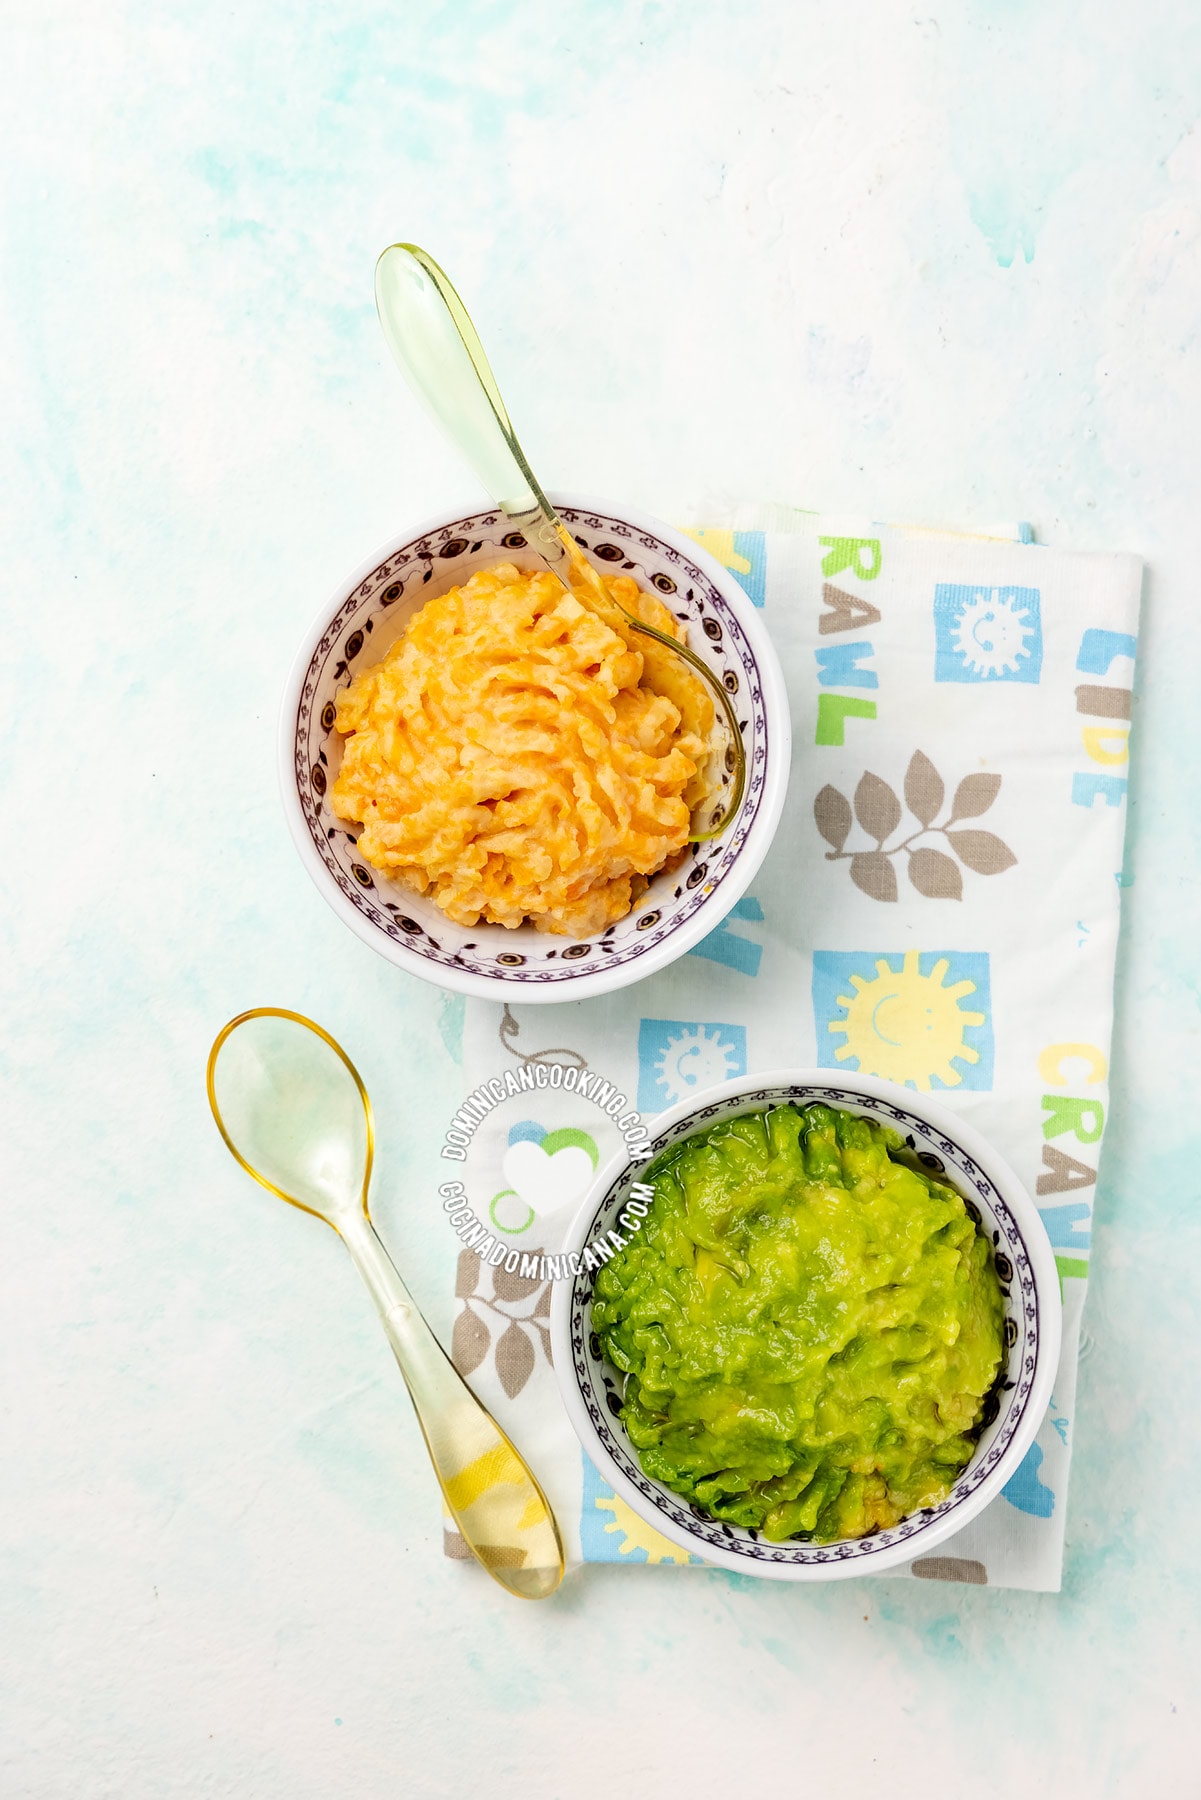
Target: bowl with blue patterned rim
<point x="592" y="1389"/>
<point x="365" y="616"/>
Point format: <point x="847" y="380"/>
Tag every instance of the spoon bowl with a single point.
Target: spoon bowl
<point x="293" y="1111"/>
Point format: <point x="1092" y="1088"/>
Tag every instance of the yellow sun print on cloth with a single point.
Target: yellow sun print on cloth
<point x="906" y="1026"/>
<point x="636" y="1534"/>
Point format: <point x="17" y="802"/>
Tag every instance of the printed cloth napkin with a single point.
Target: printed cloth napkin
<point x="940" y="907"/>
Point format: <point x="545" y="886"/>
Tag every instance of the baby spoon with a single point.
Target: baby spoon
<point x="292" y="1108"/>
<point x="440" y="354"/>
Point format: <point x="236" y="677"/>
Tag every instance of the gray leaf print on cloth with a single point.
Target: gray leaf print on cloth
<point x="933" y="872"/>
<point x="504" y="1323"/>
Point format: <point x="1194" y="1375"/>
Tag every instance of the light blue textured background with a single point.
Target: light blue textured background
<point x="938" y="266"/>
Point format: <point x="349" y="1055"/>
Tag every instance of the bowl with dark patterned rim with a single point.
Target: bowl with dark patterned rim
<point x="592" y="1388"/>
<point x="365" y="616"/>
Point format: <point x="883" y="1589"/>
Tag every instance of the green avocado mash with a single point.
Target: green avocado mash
<point x="808" y="1322"/>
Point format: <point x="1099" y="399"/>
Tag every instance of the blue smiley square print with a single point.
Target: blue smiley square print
<point x="923" y="1019"/>
<point x="678" y="1057"/>
<point x="987" y="633"/>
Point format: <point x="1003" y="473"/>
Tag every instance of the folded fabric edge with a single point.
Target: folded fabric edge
<point x="960" y="1570"/>
<point x="770" y="515"/>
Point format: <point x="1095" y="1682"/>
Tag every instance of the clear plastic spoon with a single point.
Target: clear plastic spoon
<point x="292" y="1108"/>
<point x="439" y="352"/>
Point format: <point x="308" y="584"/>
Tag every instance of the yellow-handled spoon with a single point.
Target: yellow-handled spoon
<point x="292" y="1108"/>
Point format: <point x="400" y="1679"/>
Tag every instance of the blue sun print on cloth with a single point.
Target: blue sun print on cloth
<point x="679" y="1057"/>
<point x="987" y="633"/>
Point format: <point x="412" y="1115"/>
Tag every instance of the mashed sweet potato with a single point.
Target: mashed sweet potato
<point x="517" y="759"/>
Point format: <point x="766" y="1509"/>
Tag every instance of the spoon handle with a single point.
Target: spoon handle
<point x="430" y="334"/>
<point x="498" y="1506"/>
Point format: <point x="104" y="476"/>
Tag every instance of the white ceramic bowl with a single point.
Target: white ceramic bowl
<point x="365" y="616"/>
<point x="591" y="1387"/>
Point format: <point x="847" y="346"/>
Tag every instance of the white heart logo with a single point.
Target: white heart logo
<point x="545" y="1182"/>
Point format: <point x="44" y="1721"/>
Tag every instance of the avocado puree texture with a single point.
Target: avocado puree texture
<point x="808" y="1325"/>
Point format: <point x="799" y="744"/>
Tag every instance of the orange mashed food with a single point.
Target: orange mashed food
<point x="516" y="758"/>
